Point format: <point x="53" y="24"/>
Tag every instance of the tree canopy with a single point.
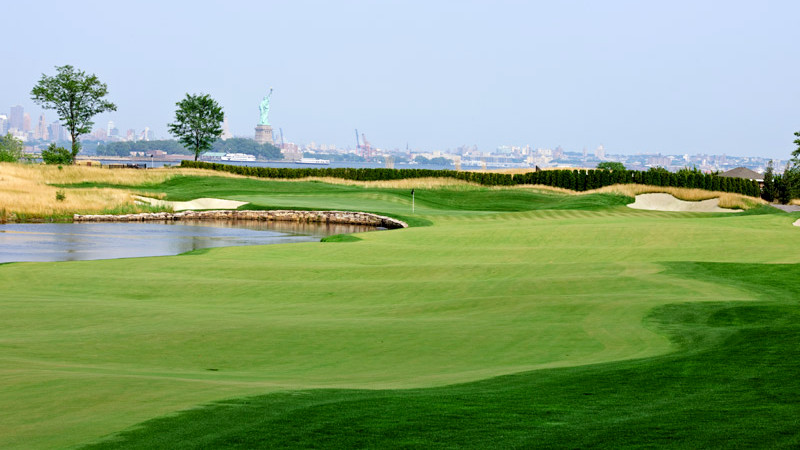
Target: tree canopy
<point x="10" y="148"/>
<point x="76" y="97"/>
<point x="611" y="165"/>
<point x="198" y="122"/>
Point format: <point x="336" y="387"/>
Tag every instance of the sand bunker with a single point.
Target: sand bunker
<point x="796" y="223"/>
<point x="198" y="203"/>
<point x="666" y="202"/>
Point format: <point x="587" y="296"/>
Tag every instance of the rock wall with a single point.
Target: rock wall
<point x="345" y="217"/>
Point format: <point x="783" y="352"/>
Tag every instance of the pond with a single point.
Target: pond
<point x="85" y="241"/>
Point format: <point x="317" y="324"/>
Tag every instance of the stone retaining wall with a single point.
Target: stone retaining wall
<point x="345" y="217"/>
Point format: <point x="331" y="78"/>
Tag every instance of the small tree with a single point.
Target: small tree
<point x="57" y="155"/>
<point x="768" y="192"/>
<point x="76" y="97"/>
<point x="792" y="173"/>
<point x="198" y="123"/>
<point x="782" y="189"/>
<point x="611" y="165"/>
<point x="10" y="148"/>
<point x="796" y="152"/>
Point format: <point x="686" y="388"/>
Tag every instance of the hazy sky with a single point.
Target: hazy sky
<point x="636" y="76"/>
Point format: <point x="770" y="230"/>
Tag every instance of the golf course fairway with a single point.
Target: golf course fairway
<point x="507" y="317"/>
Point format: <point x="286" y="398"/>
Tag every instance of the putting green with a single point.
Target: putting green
<point x="89" y="348"/>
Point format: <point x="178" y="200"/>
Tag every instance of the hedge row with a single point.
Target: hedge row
<point x="577" y="180"/>
<point x="486" y="179"/>
<point x="584" y="180"/>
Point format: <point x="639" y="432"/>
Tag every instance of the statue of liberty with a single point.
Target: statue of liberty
<point x="264" y="107"/>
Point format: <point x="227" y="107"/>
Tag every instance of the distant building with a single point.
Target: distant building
<point x="743" y="172"/>
<point x="3" y="124"/>
<point x="56" y="131"/>
<point x="26" y="122"/>
<point x="658" y="161"/>
<point x="41" y="129"/>
<point x="600" y="153"/>
<point x="111" y="130"/>
<point x="15" y="119"/>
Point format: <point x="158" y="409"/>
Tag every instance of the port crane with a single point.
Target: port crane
<point x="366" y="148"/>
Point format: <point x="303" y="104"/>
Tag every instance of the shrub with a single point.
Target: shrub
<point x="10" y="148"/>
<point x="56" y="155"/>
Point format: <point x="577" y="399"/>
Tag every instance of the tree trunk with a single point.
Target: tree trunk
<point x="76" y="147"/>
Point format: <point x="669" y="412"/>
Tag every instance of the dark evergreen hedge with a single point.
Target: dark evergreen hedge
<point x="576" y="180"/>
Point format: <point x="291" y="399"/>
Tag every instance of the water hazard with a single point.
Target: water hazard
<point x="85" y="241"/>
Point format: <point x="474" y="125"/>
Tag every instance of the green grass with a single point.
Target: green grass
<point x="735" y="383"/>
<point x="489" y="326"/>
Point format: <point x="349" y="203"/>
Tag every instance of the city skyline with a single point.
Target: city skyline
<point x="110" y="133"/>
<point x="677" y="78"/>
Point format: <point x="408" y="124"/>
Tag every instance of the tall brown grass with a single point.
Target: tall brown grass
<point x="50" y="174"/>
<point x="407" y="183"/>
<point x="542" y="188"/>
<point x="726" y="199"/>
<point x="27" y="191"/>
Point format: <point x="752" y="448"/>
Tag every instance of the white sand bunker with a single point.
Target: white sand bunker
<point x="666" y="202"/>
<point x="796" y="223"/>
<point x="198" y="203"/>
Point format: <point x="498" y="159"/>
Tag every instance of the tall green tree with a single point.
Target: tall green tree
<point x="796" y="152"/>
<point x="76" y="97"/>
<point x="782" y="191"/>
<point x="198" y="123"/>
<point x="10" y="148"/>
<point x="791" y="175"/>
<point x="768" y="192"/>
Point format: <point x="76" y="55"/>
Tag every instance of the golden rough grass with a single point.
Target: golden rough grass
<point x="726" y="199"/>
<point x="25" y="199"/>
<point x="542" y="187"/>
<point x="407" y="183"/>
<point x="26" y="190"/>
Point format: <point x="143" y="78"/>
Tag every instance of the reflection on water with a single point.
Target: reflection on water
<point x="83" y="241"/>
